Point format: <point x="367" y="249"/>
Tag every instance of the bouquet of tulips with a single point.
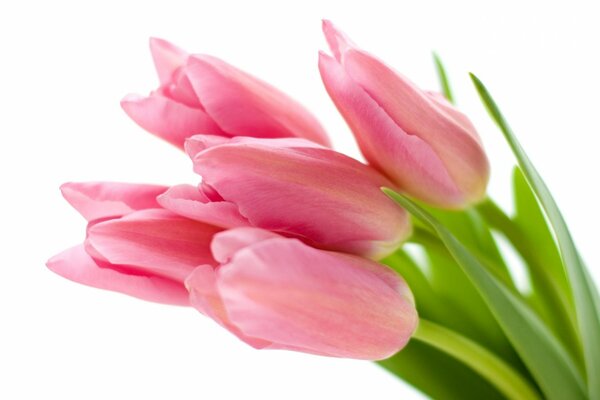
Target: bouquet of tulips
<point x="288" y="244"/>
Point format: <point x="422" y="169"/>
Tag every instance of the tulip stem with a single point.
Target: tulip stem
<point x="487" y="364"/>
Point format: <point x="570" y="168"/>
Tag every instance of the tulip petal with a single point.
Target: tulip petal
<point x="167" y="59"/>
<point x="458" y="116"/>
<point x="205" y="298"/>
<point x="197" y="143"/>
<point x="155" y="241"/>
<point x="225" y="244"/>
<point x="323" y="197"/>
<point x="168" y="119"/>
<point x="415" y="113"/>
<point x="455" y="146"/>
<point x="100" y="200"/>
<point x="243" y="105"/>
<point x="408" y="159"/>
<point x="76" y="265"/>
<point x="188" y="201"/>
<point x="327" y="303"/>
<point x="180" y="90"/>
<point x="337" y="40"/>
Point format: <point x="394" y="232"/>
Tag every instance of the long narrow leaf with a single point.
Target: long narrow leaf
<point x="443" y="77"/>
<point x="435" y="373"/>
<point x="471" y="316"/>
<point x="439" y="375"/>
<point x="583" y="289"/>
<point x="549" y="297"/>
<point x="486" y="363"/>
<point x="546" y="359"/>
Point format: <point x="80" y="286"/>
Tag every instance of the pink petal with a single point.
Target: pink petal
<point x="180" y="90"/>
<point x="168" y="119"/>
<point x="99" y="200"/>
<point x="76" y="265"/>
<point x="188" y="201"/>
<point x="245" y="106"/>
<point x="327" y="303"/>
<point x="225" y="244"/>
<point x="337" y="40"/>
<point x="206" y="299"/>
<point x="453" y="112"/>
<point x="415" y="113"/>
<point x="329" y="200"/>
<point x="407" y="159"/>
<point x="197" y="143"/>
<point x="209" y="192"/>
<point x="167" y="59"/>
<point x="155" y="241"/>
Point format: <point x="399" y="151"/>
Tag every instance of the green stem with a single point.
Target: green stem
<point x="481" y="360"/>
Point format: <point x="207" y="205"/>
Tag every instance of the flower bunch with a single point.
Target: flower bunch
<point x="289" y="244"/>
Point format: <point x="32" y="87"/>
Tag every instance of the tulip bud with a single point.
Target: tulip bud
<point x="202" y="94"/>
<point x="294" y="187"/>
<point x="133" y="246"/>
<point x="279" y="293"/>
<point x="419" y="140"/>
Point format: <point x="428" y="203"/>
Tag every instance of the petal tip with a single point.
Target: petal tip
<point x="325" y="60"/>
<point x="51" y="263"/>
<point x="198" y="143"/>
<point x="69" y="190"/>
<point x="338" y="42"/>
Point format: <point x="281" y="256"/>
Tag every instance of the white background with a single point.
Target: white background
<point x="65" y="66"/>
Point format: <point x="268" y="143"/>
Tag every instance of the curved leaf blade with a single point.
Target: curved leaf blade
<point x="443" y="77"/>
<point x="486" y="363"/>
<point x="439" y="375"/>
<point x="584" y="292"/>
<point x="547" y="360"/>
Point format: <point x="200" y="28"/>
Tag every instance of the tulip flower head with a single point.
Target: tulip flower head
<point x="279" y="293"/>
<point x="418" y="139"/>
<point x="203" y="94"/>
<point x="294" y="187"/>
<point x="133" y="245"/>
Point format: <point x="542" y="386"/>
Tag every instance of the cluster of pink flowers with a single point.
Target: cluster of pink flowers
<point x="279" y="241"/>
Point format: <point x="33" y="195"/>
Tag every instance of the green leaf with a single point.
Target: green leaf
<point x="470" y="316"/>
<point x="546" y="359"/>
<point x="548" y="297"/>
<point x="429" y="303"/>
<point x="443" y="77"/>
<point x="530" y="219"/>
<point x="439" y="375"/>
<point x="584" y="292"/>
<point x="473" y="232"/>
<point x="426" y="368"/>
<point x="487" y="364"/>
<point x="537" y="245"/>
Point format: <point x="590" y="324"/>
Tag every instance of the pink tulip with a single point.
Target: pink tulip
<point x="279" y="293"/>
<point x="270" y="291"/>
<point x="133" y="246"/>
<point x="200" y="94"/>
<point x="425" y="145"/>
<point x="294" y="187"/>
